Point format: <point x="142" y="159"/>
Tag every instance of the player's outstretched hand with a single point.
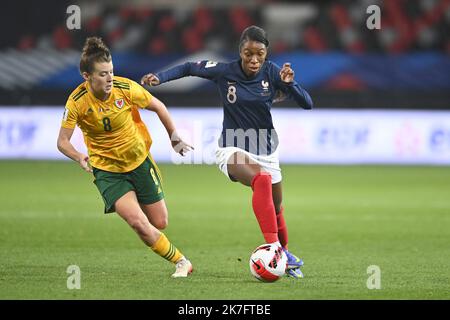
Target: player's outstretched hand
<point x="150" y="80"/>
<point x="84" y="163"/>
<point x="286" y="73"/>
<point x="179" y="145"/>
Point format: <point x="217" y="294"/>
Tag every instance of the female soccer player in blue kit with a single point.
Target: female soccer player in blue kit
<point x="247" y="149"/>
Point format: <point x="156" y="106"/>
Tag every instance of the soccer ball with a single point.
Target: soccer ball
<point x="268" y="262"/>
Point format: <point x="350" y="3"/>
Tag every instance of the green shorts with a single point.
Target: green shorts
<point x="145" y="180"/>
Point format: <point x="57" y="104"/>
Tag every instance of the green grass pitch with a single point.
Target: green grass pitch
<point x="341" y="220"/>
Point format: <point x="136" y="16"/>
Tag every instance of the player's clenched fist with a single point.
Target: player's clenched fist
<point x="286" y="73"/>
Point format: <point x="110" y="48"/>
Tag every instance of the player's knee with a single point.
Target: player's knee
<point x="261" y="178"/>
<point x="161" y="223"/>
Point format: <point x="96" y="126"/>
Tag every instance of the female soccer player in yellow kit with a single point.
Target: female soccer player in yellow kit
<point x="104" y="107"/>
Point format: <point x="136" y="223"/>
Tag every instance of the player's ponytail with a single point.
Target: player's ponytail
<point x="253" y="33"/>
<point x="94" y="50"/>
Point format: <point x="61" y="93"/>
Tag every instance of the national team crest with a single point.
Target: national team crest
<point x="119" y="103"/>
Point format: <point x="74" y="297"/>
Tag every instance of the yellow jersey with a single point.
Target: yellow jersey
<point x="116" y="138"/>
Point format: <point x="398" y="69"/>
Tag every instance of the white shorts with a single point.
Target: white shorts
<point x="269" y="163"/>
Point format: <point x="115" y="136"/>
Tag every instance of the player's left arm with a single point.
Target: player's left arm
<point x="291" y="88"/>
<point x="143" y="99"/>
<point x="160" y="109"/>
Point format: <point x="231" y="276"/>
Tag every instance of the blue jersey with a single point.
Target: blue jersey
<point x="247" y="122"/>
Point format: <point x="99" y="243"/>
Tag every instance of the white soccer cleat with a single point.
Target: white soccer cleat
<point x="183" y="268"/>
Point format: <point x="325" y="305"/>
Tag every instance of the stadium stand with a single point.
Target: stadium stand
<point x="336" y="56"/>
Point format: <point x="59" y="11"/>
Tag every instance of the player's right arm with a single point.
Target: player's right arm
<point x="69" y="151"/>
<point x="203" y="69"/>
<point x="65" y="133"/>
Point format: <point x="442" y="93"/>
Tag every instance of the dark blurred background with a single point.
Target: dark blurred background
<point x="343" y="64"/>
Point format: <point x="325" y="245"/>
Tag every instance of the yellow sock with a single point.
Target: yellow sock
<point x="165" y="249"/>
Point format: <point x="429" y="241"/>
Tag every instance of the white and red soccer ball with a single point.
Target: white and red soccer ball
<point x="268" y="262"/>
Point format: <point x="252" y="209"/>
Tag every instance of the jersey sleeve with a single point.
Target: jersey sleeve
<point x="139" y="95"/>
<point x="292" y="91"/>
<point x="70" y="115"/>
<point x="204" y="69"/>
